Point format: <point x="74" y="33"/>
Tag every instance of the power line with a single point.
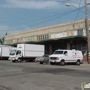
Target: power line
<point x="45" y="17"/>
<point x="52" y="18"/>
<point x="62" y="1"/>
<point x="77" y="15"/>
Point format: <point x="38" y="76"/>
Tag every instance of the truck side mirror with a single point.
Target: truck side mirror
<point x="16" y="53"/>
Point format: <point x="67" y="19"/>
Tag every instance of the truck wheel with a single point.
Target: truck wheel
<point x="41" y="62"/>
<point x="78" y="62"/>
<point x="19" y="60"/>
<point x="47" y="61"/>
<point x="62" y="63"/>
<point x="13" y="61"/>
<point x="52" y="63"/>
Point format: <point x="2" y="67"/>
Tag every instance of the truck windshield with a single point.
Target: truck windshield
<point x="12" y="52"/>
<point x="58" y="52"/>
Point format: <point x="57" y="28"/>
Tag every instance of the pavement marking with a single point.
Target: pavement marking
<point x="12" y="70"/>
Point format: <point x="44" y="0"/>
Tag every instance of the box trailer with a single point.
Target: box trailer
<point x="26" y="52"/>
<point x="4" y="51"/>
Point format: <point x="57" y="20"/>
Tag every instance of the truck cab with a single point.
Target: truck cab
<point x="15" y="55"/>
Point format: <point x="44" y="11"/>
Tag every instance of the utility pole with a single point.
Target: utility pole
<point x="87" y="32"/>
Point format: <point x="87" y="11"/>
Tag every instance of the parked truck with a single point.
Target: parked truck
<point x="4" y="51"/>
<point x="26" y="52"/>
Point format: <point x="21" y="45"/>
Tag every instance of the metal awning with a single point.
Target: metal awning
<point x="54" y="39"/>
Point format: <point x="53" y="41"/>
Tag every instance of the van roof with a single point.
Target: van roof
<point x="67" y="50"/>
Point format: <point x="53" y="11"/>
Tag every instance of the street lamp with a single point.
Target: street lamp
<point x="87" y="28"/>
<point x="67" y="4"/>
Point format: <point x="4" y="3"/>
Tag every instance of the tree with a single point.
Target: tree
<point x="1" y="42"/>
<point x="2" y="39"/>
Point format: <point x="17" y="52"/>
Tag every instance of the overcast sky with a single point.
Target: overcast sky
<point x="21" y="15"/>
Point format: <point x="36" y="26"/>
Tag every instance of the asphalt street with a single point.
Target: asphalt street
<point x="35" y="76"/>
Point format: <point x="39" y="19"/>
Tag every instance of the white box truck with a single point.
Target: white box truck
<point x="4" y="51"/>
<point x="26" y="52"/>
<point x="66" y="56"/>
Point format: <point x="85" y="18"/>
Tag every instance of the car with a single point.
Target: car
<point x="43" y="59"/>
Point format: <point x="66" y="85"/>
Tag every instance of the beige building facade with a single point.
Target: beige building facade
<point x="61" y="36"/>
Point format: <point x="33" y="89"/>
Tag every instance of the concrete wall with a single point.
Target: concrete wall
<point x="51" y="32"/>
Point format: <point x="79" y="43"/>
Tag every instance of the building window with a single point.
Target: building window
<point x="80" y="32"/>
<point x="42" y="37"/>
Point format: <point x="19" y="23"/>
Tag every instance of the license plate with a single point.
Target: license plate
<point x="52" y="61"/>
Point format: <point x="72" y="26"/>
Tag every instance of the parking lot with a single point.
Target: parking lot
<point x="35" y="76"/>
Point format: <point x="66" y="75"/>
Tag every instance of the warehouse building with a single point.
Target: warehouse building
<point x="71" y="35"/>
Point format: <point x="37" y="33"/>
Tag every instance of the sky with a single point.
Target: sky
<point x="22" y="15"/>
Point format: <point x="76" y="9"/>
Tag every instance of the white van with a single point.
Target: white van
<point x="66" y="56"/>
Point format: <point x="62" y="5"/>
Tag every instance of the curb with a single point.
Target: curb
<point x="86" y="64"/>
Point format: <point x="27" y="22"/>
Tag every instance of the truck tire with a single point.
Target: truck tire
<point x="19" y="60"/>
<point x="41" y="62"/>
<point x="52" y="63"/>
<point x="78" y="62"/>
<point x="62" y="63"/>
<point x="47" y="62"/>
<point x="13" y="61"/>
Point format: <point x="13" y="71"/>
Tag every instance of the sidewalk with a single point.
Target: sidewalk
<point x="85" y="63"/>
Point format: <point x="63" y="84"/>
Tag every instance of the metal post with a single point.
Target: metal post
<point x="87" y="32"/>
